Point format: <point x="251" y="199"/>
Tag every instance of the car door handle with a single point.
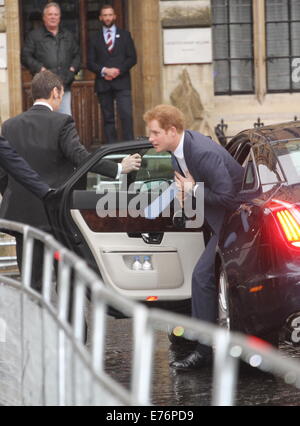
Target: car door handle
<point x="149" y="237"/>
<point x="152" y="237"/>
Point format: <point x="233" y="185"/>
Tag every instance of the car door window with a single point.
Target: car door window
<point x="156" y="170"/>
<point x="251" y="182"/>
<point x="269" y="170"/>
<point x="242" y="153"/>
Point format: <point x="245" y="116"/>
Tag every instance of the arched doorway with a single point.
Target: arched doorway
<point x="81" y="18"/>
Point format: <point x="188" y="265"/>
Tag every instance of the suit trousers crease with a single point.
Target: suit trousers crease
<point x="204" y="293"/>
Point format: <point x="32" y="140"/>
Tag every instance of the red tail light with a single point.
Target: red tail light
<point x="288" y="218"/>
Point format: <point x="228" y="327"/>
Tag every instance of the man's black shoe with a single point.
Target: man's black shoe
<point x="193" y="361"/>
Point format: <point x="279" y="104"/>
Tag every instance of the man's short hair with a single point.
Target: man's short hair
<point x="106" y="6"/>
<point x="51" y="4"/>
<point x="167" y="116"/>
<point x="43" y="83"/>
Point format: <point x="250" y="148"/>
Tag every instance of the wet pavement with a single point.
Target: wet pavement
<point x="193" y="388"/>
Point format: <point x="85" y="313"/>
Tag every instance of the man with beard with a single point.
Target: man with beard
<point x="111" y="56"/>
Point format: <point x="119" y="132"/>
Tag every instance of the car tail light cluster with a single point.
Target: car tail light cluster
<point x="288" y="217"/>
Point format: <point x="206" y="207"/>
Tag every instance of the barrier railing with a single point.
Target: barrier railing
<point x="8" y="260"/>
<point x="43" y="359"/>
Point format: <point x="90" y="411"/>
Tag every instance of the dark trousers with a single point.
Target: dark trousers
<point x="204" y="292"/>
<point x="124" y="108"/>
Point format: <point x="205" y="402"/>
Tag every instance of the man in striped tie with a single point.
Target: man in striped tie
<point x="111" y="56"/>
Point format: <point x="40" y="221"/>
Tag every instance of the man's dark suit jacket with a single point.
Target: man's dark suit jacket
<point x="123" y="56"/>
<point x="222" y="175"/>
<point x="17" y="167"/>
<point x="49" y="142"/>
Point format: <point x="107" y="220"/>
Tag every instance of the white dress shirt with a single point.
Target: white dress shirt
<point x="44" y="104"/>
<point x="113" y="31"/>
<point x="179" y="154"/>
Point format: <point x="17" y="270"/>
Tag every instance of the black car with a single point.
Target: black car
<point x="151" y="260"/>
<point x="258" y="260"/>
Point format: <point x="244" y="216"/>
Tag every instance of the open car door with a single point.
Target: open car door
<point x="112" y="243"/>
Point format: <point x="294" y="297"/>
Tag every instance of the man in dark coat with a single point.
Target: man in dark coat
<point x="20" y="171"/>
<point x="111" y="56"/>
<point x="196" y="158"/>
<point x="49" y="142"/>
<point x="53" y="48"/>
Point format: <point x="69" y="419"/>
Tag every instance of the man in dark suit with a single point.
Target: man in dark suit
<point x="111" y="56"/>
<point x="20" y="171"/>
<point x="196" y="158"/>
<point x="49" y="141"/>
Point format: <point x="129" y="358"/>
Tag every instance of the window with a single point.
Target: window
<point x="288" y="153"/>
<point x="283" y="44"/>
<point x="233" y="46"/>
<point x="267" y="164"/>
<point x="249" y="180"/>
<point x="155" y="173"/>
<point x="242" y="152"/>
<point x="256" y="46"/>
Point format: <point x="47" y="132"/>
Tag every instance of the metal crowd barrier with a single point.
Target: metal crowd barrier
<point x="43" y="359"/>
<point x="8" y="259"/>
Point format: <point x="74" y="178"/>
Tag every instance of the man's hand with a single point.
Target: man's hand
<point x="184" y="186"/>
<point x="111" y="73"/>
<point x="131" y="163"/>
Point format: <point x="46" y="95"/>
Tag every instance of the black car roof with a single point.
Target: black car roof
<point x="274" y="132"/>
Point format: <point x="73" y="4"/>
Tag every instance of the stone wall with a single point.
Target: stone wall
<point x="189" y="86"/>
<point x="4" y="102"/>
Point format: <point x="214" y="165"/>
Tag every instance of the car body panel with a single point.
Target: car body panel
<point x="263" y="270"/>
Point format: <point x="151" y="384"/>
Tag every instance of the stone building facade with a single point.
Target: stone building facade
<point x="191" y="86"/>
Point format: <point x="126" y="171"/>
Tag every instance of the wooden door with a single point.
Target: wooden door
<point x="81" y="18"/>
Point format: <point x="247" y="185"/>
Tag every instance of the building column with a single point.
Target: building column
<point x="260" y="49"/>
<point x="144" y="25"/>
<point x="13" y="57"/>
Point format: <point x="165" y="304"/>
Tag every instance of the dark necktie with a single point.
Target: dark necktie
<point x="178" y="165"/>
<point x="109" y="41"/>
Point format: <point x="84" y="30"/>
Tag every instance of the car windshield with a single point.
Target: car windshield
<point x="288" y="153"/>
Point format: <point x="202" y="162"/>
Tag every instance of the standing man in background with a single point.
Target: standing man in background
<point x="111" y="56"/>
<point x="53" y="48"/>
